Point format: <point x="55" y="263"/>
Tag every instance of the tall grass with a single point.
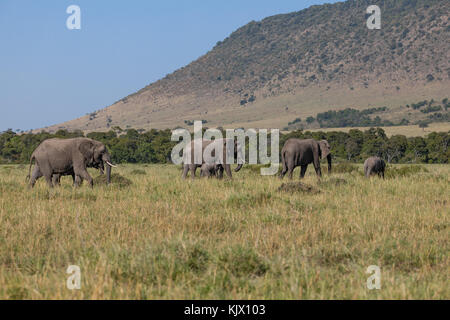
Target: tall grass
<point x="164" y="238"/>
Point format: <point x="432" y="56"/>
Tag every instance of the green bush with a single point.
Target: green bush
<point x="243" y="262"/>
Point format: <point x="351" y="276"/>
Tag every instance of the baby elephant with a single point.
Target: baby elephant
<point x="374" y="165"/>
<point x="211" y="170"/>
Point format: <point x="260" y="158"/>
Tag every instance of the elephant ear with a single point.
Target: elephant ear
<point x="324" y="148"/>
<point x="87" y="148"/>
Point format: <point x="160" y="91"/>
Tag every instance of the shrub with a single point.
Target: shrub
<point x="243" y="262"/>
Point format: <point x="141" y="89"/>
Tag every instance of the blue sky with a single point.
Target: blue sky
<point x="49" y="74"/>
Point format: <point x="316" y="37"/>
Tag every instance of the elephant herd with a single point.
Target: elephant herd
<point x="60" y="157"/>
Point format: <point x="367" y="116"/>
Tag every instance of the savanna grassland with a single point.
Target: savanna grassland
<point x="159" y="237"/>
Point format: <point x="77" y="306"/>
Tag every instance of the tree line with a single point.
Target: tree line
<point x="155" y="146"/>
<point x="349" y="117"/>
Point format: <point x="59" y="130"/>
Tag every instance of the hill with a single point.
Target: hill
<point x="267" y="73"/>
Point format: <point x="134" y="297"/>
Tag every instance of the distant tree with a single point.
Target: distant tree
<point x="351" y="148"/>
<point x="310" y="120"/>
<point x="423" y="125"/>
<point x="395" y="148"/>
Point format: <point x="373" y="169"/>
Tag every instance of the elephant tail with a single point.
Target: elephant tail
<point x="29" y="169"/>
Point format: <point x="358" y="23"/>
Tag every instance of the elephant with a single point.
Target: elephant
<point x="224" y="144"/>
<point x="56" y="157"/>
<point x="210" y="170"/>
<point x="297" y="152"/>
<point x="374" y="165"/>
<point x="56" y="177"/>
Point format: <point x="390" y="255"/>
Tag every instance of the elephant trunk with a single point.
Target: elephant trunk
<point x="107" y="161"/>
<point x="239" y="157"/>
<point x="108" y="174"/>
<point x="329" y="163"/>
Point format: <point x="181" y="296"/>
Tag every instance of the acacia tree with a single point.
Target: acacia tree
<point x="395" y="148"/>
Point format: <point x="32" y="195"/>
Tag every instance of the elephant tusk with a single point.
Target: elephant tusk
<point x="110" y="164"/>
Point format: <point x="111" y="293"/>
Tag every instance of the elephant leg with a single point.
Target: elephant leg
<point x="382" y="174"/>
<point x="284" y="171"/>
<point x="48" y="178"/>
<point x="228" y="171"/>
<point x="35" y="175"/>
<point x="185" y="171"/>
<point x="318" y="171"/>
<point x="317" y="168"/>
<point x="303" y="171"/>
<point x="78" y="181"/>
<point x="56" y="179"/>
<point x="219" y="173"/>
<point x="47" y="172"/>
<point x="83" y="174"/>
<point x="291" y="168"/>
<point x="192" y="168"/>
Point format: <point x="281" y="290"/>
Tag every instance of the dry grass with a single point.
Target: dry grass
<point x="161" y="237"/>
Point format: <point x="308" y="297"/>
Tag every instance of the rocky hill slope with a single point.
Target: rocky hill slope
<point x="269" y="72"/>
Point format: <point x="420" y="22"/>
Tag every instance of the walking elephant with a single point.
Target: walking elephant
<point x="56" y="177"/>
<point x="374" y="165"/>
<point x="56" y="157"/>
<point x="226" y="145"/>
<point x="297" y="152"/>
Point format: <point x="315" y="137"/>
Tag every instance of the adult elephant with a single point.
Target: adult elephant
<point x="69" y="157"/>
<point x="210" y="146"/>
<point x="297" y="152"/>
<point x="374" y="165"/>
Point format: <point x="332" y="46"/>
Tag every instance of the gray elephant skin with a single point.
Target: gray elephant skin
<point x="225" y="144"/>
<point x="211" y="170"/>
<point x="57" y="157"/>
<point x="56" y="178"/>
<point x="374" y="165"/>
<point x="302" y="152"/>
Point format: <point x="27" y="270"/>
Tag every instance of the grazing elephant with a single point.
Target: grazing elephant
<point x="297" y="152"/>
<point x="69" y="157"/>
<point x="224" y="144"/>
<point x="374" y="165"/>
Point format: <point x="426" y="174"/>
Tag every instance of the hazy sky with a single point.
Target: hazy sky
<point x="49" y="74"/>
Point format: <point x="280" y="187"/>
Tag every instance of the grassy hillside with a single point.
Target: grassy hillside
<point x="162" y="237"/>
<point x="269" y="72"/>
